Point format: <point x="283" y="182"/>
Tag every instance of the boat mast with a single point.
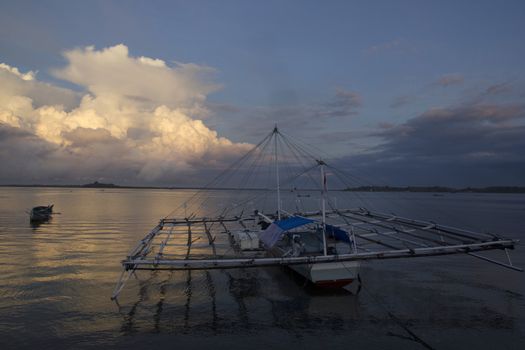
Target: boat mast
<point x="323" y="203"/>
<point x="275" y="133"/>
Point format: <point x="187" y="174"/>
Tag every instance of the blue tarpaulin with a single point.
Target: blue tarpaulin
<point x="292" y="222"/>
<point x="337" y="233"/>
<point x="273" y="233"/>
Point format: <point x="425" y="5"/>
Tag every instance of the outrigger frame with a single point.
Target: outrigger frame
<point x="171" y="245"/>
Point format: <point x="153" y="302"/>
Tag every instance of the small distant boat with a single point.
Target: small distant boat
<point x="41" y="213"/>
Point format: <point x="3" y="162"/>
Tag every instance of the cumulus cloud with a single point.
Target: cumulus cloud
<point x="30" y="75"/>
<point x="137" y="118"/>
<point x="112" y="72"/>
<point x="18" y="88"/>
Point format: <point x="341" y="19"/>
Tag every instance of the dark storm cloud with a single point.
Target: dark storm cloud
<point x="92" y="155"/>
<point x="21" y="154"/>
<point x="24" y="142"/>
<point x="467" y="145"/>
<point x="466" y="131"/>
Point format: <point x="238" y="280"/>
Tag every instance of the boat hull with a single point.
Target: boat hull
<point x="39" y="217"/>
<point x="330" y="275"/>
<point x="41" y="213"/>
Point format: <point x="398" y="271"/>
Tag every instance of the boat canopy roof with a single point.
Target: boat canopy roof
<point x="274" y="232"/>
<point x="292" y="222"/>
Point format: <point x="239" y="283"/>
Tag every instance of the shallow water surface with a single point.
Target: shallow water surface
<point x="56" y="280"/>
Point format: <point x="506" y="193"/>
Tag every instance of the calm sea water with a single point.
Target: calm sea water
<point x="56" y="280"/>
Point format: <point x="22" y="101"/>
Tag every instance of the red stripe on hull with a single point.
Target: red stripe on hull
<point x="333" y="283"/>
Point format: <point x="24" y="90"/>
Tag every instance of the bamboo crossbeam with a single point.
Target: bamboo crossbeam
<point x="407" y="232"/>
<point x="376" y="241"/>
<point x="419" y="244"/>
<point x="389" y="234"/>
<point x="200" y="245"/>
<point x="420" y="224"/>
<point x="424" y="225"/>
<point x="359" y="216"/>
<point x="180" y="221"/>
<point x="259" y="262"/>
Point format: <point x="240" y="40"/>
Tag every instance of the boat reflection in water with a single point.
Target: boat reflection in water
<point x="244" y="299"/>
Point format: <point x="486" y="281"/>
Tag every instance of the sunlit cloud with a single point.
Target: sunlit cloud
<point x="137" y="115"/>
<point x="30" y="75"/>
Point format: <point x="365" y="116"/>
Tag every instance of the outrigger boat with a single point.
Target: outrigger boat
<point x="321" y="242"/>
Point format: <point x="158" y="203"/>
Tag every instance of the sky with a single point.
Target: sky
<point x="158" y="92"/>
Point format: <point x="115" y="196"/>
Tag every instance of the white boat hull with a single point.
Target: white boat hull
<point x="334" y="274"/>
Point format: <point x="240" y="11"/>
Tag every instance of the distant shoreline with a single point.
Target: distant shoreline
<point x="420" y="189"/>
<point x="439" y="189"/>
<point x="113" y="186"/>
<point x="110" y="186"/>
